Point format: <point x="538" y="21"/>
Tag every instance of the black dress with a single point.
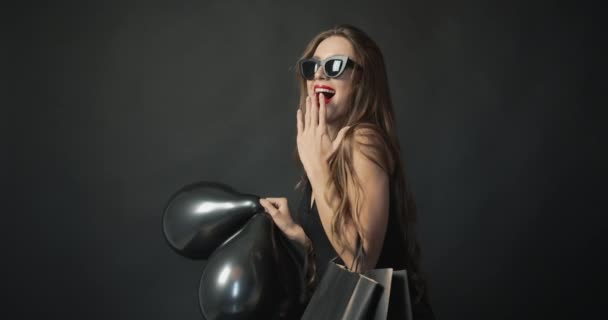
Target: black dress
<point x="391" y="256"/>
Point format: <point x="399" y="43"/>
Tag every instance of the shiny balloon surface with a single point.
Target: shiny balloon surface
<point x="200" y="217"/>
<point x="251" y="276"/>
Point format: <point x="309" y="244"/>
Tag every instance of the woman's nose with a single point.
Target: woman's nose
<point x="319" y="74"/>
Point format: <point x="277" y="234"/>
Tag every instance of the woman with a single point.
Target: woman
<point x="355" y="191"/>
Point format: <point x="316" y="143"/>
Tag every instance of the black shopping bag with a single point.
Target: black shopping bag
<point x="395" y="301"/>
<point x="343" y="294"/>
<point x="378" y="294"/>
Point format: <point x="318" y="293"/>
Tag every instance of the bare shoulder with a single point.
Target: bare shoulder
<point x="371" y="143"/>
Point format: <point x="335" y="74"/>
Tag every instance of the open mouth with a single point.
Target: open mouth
<point x="327" y="91"/>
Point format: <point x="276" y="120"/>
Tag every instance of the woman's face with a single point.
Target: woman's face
<point x="335" y="105"/>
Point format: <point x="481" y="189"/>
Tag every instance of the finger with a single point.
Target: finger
<point x="322" y="112"/>
<point x="280" y="203"/>
<point x="277" y="201"/>
<point x="269" y="207"/>
<point x="314" y="105"/>
<point x="307" y="115"/>
<point x="315" y="112"/>
<point x="299" y="121"/>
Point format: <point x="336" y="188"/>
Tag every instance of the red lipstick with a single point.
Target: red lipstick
<point x="327" y="91"/>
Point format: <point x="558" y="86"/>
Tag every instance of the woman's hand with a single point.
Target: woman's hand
<point x="279" y="211"/>
<point x="314" y="144"/>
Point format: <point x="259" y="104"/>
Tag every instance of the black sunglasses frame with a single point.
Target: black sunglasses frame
<point x="346" y="62"/>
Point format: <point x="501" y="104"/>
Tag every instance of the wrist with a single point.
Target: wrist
<point x="319" y="174"/>
<point x="298" y="235"/>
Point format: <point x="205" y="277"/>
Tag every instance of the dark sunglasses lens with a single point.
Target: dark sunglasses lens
<point x="308" y="69"/>
<point x="334" y="67"/>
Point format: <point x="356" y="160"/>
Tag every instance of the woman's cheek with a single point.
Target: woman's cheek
<point x="309" y="87"/>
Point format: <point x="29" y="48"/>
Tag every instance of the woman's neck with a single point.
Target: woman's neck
<point x="332" y="132"/>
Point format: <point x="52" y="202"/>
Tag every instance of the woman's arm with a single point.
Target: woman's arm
<point x="370" y="165"/>
<point x="374" y="202"/>
<point x="279" y="212"/>
<point x="278" y="208"/>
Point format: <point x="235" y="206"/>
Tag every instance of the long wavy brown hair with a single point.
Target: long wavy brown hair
<point x="372" y="122"/>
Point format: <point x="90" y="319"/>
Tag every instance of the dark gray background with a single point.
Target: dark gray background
<point x="113" y="107"/>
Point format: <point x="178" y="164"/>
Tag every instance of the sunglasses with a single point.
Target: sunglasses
<point x="332" y="66"/>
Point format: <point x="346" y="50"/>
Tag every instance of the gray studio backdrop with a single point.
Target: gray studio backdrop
<point x="116" y="106"/>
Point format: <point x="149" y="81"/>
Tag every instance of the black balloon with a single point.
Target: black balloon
<point x="253" y="275"/>
<point x="200" y="217"/>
